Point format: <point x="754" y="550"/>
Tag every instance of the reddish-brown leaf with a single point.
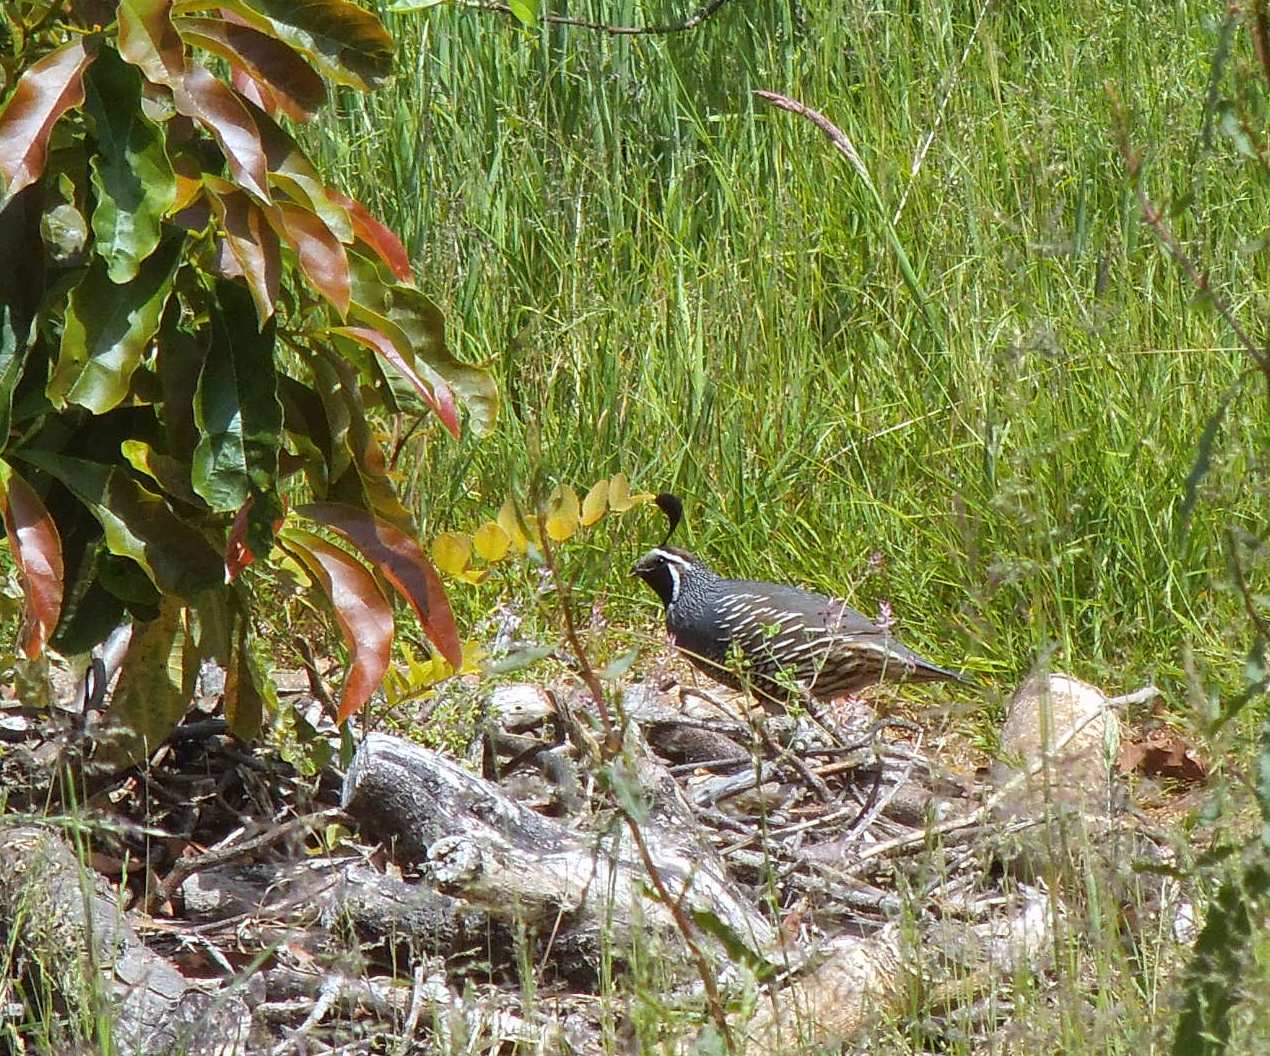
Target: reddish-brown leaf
<point x="238" y="554"/>
<point x="1162" y="753"/>
<point x="37" y="551"/>
<point x="253" y="90"/>
<point x="290" y="81"/>
<point x="214" y="105"/>
<point x="362" y="611"/>
<point x="401" y="560"/>
<point x="322" y="257"/>
<point x="43" y="94"/>
<point x="238" y="551"/>
<point x="440" y="398"/>
<point x="149" y="40"/>
<point x="252" y="242"/>
<point x="386" y="245"/>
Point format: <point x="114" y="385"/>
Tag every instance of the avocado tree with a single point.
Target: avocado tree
<point x="195" y="330"/>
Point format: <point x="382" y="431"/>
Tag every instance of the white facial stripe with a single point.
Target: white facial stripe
<point x="671" y="567"/>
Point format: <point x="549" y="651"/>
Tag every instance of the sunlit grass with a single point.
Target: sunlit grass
<point x="673" y="279"/>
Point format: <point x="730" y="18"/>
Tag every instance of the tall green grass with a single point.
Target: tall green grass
<point x="672" y="278"/>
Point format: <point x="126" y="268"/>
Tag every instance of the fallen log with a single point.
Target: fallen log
<point x="590" y="889"/>
<point x="71" y="939"/>
<point x="304" y="901"/>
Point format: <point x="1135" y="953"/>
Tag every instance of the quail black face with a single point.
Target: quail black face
<point x="663" y="569"/>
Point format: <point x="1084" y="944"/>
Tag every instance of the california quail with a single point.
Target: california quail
<point x="786" y="639"/>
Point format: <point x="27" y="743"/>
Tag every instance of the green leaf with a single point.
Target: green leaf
<point x="89" y="611"/>
<point x="130" y="169"/>
<point x="376" y="491"/>
<point x="338" y="407"/>
<point x="36" y="548"/>
<point x="247" y="689"/>
<point x="108" y="328"/>
<point x="526" y="11"/>
<point x="46" y="90"/>
<point x="137" y="523"/>
<point x="305" y="431"/>
<point x="127" y="581"/>
<point x="148" y="40"/>
<point x="236" y="405"/>
<point x="1219" y="961"/>
<point x="615" y="670"/>
<point x="171" y="474"/>
<point x="519" y="659"/>
<point x="151" y="697"/>
<point x="345" y="42"/>
<point x="415" y="326"/>
<point x="178" y="364"/>
<point x="13" y="352"/>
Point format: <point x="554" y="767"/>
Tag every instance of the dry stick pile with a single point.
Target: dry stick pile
<point x="784" y="845"/>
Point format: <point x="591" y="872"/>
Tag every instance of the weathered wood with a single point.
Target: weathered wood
<point x="302" y="901"/>
<point x="855" y="980"/>
<point x="73" y="940"/>
<point x="492" y="852"/>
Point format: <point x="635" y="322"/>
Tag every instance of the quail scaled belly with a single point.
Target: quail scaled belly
<point x="784" y="637"/>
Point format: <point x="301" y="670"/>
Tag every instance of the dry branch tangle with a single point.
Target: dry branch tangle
<point x="483" y="847"/>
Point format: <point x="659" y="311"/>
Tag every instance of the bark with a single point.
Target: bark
<point x="592" y="888"/>
<point x="73" y="940"/>
<point x="303" y="901"/>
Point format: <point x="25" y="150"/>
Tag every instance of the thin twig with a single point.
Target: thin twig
<point x="1153" y="216"/>
<point x="612" y="745"/>
<point x="981" y="813"/>
<point x="691" y="22"/>
<point x="1241" y="581"/>
<point x="612" y="736"/>
<point x="183" y="868"/>
<point x="327" y="994"/>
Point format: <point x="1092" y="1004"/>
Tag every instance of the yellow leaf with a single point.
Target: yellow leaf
<point x="640" y="498"/>
<point x="491" y="542"/>
<point x="563" y="512"/>
<point x="473" y="654"/>
<point x="595" y="503"/>
<point x="619" y="493"/>
<point x="510" y="524"/>
<point x="474" y="576"/>
<point x="451" y="551"/>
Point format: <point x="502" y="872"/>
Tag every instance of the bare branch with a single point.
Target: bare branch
<point x="691" y="22"/>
